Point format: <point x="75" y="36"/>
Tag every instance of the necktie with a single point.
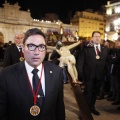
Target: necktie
<point x="20" y="49"/>
<point x="35" y="82"/>
<point x="97" y="50"/>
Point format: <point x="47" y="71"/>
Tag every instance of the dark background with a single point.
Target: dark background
<point x="64" y="8"/>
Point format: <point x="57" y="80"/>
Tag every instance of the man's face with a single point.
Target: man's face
<point x="96" y="38"/>
<point x="19" y="39"/>
<point x="106" y="44"/>
<point x="36" y="57"/>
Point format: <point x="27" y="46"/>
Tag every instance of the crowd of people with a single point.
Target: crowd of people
<point x="94" y="63"/>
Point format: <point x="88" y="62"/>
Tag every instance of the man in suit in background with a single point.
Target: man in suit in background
<point x="26" y="95"/>
<point x="13" y="54"/>
<point x="91" y="65"/>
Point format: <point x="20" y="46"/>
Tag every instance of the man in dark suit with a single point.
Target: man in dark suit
<point x="91" y="66"/>
<point x="13" y="53"/>
<point x="26" y="95"/>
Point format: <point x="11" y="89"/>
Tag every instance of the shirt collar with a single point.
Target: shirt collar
<point x="30" y="68"/>
<point x="96" y="45"/>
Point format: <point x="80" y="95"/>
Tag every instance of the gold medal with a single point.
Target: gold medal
<point x="97" y="57"/>
<point x="34" y="110"/>
<point x="21" y="58"/>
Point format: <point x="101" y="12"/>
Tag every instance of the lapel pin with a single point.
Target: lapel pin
<point x="50" y="71"/>
<point x="38" y="96"/>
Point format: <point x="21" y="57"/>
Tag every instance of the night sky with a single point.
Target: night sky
<point x="64" y="8"/>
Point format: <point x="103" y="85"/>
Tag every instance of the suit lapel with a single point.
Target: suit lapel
<point x="102" y="51"/>
<point x="16" y="51"/>
<point x="25" y="84"/>
<point x="48" y="76"/>
<point x="49" y="73"/>
<point x="93" y="53"/>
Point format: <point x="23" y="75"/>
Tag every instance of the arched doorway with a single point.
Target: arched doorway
<point x="1" y="38"/>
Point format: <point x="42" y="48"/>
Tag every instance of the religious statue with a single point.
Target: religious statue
<point x="66" y="58"/>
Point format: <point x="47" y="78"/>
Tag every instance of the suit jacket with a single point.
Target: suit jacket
<point x="16" y="96"/>
<point x="54" y="57"/>
<point x="11" y="56"/>
<point x="88" y="66"/>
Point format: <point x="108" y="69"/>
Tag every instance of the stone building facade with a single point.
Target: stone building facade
<point x="87" y="22"/>
<point x="113" y="19"/>
<point x="13" y="20"/>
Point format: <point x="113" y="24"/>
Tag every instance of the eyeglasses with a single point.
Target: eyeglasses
<point x="32" y="47"/>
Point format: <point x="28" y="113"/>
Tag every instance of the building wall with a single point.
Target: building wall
<point x="13" y="20"/>
<point x="88" y="22"/>
<point x="112" y="19"/>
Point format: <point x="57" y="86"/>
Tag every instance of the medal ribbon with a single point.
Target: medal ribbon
<point x="35" y="94"/>
<point x="21" y="53"/>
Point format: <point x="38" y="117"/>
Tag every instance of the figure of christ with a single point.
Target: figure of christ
<point x="67" y="59"/>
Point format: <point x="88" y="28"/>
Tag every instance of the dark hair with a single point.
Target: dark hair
<point x="95" y="32"/>
<point x="58" y="46"/>
<point x="33" y="31"/>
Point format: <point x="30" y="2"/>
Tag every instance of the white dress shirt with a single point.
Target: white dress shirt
<point x="98" y="47"/>
<point x="29" y="70"/>
<point x="18" y="48"/>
